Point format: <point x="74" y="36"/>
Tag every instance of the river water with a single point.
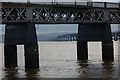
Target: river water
<point x="59" y="60"/>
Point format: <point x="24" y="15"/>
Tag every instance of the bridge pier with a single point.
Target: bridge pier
<point x="17" y="34"/>
<point x="95" y="32"/>
<point x="10" y="56"/>
<point x="31" y="47"/>
<point x="107" y="50"/>
<point x="31" y="56"/>
<point x="82" y="50"/>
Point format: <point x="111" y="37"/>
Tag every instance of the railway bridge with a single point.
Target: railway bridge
<point x="94" y="21"/>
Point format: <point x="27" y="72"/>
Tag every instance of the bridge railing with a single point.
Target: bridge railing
<point x="72" y="2"/>
<point x="83" y="3"/>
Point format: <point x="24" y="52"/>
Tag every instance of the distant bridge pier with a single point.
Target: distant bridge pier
<point x="116" y="37"/>
<point x="95" y="32"/>
<point x="70" y="38"/>
<point x="17" y="34"/>
<point x="67" y="38"/>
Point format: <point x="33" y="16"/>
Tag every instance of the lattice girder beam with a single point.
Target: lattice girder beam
<point x="60" y="15"/>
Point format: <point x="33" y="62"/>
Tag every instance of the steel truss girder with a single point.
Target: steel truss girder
<point x="13" y="14"/>
<point x="114" y="16"/>
<point x="54" y="15"/>
<point x="68" y="15"/>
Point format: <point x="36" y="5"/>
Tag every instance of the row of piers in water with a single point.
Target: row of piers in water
<point x="25" y="34"/>
<point x="67" y="38"/>
<point x="74" y="37"/>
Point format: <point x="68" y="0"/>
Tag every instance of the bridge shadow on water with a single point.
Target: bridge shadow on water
<point x="88" y="70"/>
<point x="85" y="70"/>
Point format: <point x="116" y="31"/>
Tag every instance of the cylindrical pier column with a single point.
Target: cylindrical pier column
<point x="10" y="56"/>
<point x="31" y="56"/>
<point x="10" y="48"/>
<point x="31" y="47"/>
<point x="82" y="50"/>
<point x="107" y="45"/>
<point x="107" y="50"/>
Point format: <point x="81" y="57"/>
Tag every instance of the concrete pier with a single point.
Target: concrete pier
<point x="31" y="48"/>
<point x="31" y="56"/>
<point x="17" y="34"/>
<point x="95" y="32"/>
<point x="82" y="50"/>
<point x="107" y="44"/>
<point x="107" y="50"/>
<point x="10" y="55"/>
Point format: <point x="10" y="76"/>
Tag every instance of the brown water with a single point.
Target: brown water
<point x="59" y="60"/>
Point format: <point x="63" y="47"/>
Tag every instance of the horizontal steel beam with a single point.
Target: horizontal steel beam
<point x="55" y="14"/>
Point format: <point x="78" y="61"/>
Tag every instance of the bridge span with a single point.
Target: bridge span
<point x="93" y="12"/>
<point x="20" y="19"/>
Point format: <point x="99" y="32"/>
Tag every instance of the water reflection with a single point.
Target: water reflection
<point x="11" y="73"/>
<point x="32" y="74"/>
<point x="83" y="69"/>
<point x="15" y="74"/>
<point x="55" y="63"/>
<point x="104" y="71"/>
<point x="108" y="69"/>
